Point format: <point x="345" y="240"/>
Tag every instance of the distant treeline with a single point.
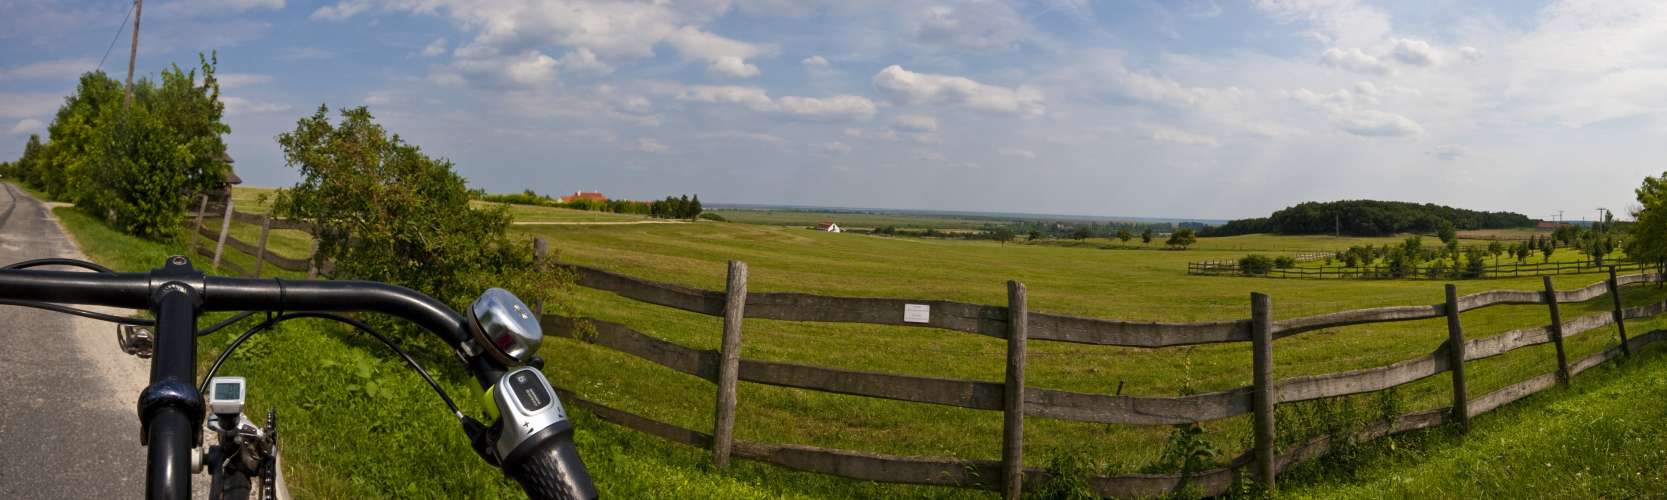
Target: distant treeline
<point x="680" y="207"/>
<point x="1370" y="218"/>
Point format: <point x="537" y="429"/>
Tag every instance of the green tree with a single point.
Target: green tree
<point x="387" y="212"/>
<point x="1494" y="249"/>
<point x="1002" y="234"/>
<point x="1124" y="235"/>
<point x="1181" y="238"/>
<point x="1255" y="264"/>
<point x="1081" y="233"/>
<point x="1447" y="233"/>
<point x="1546" y="249"/>
<point x="74" y="133"/>
<point x="1648" y="239"/>
<point x="1146" y="236"/>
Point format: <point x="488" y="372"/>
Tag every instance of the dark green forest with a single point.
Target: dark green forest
<point x="1370" y="218"/>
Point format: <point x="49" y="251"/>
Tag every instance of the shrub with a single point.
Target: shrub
<point x="162" y="150"/>
<point x="1255" y="264"/>
<point x="713" y="216"/>
<point x="387" y="212"/>
<point x="1284" y="262"/>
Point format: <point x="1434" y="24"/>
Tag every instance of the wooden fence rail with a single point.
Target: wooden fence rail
<point x="1017" y="400"/>
<point x="261" y="253"/>
<point x="1231" y="268"/>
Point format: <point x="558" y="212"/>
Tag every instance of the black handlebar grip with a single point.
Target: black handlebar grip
<point x="548" y="467"/>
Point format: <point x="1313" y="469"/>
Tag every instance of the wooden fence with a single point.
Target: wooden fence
<point x="257" y="250"/>
<point x="1018" y="325"/>
<point x="1232" y="268"/>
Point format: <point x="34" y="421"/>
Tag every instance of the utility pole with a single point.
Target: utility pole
<point x="132" y="54"/>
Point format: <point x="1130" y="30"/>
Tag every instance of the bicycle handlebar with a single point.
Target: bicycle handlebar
<point x="545" y="470"/>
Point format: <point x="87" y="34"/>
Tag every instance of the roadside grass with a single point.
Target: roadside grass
<point x="1136" y="285"/>
<point x="1598" y="438"/>
<point x="531" y="213"/>
<point x="801" y="218"/>
<point x="357" y="424"/>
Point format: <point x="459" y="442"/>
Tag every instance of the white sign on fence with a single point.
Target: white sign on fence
<point x="917" y="313"/>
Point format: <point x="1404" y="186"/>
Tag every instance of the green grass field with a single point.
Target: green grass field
<point x="801" y="218"/>
<point x="1063" y="277"/>
<point x="1132" y="284"/>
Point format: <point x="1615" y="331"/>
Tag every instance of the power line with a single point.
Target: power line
<point x="119" y="29"/>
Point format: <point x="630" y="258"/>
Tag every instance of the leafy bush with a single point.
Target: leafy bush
<point x="1284" y="262"/>
<point x="713" y="216"/>
<point x="387" y="212"/>
<point x="1255" y="264"/>
<point x="1181" y="239"/>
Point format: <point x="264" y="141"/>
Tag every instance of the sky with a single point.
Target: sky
<point x="1189" y="108"/>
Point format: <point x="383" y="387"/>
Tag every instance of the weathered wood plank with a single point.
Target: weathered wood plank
<point x="1488" y="347"/>
<point x="1644" y="311"/>
<point x="636" y="422"/>
<point x="1136" y="410"/>
<point x="700" y="363"/>
<point x="1359" y="381"/>
<point x="1455" y="358"/>
<point x="982" y="474"/>
<point x="931" y="390"/>
<point x="653" y="292"/>
<point x="1135" y="333"/>
<point x="970" y="318"/>
<point x="1487" y="402"/>
<point x="1290" y="327"/>
<point x="1556" y="330"/>
<point x="1497" y="297"/>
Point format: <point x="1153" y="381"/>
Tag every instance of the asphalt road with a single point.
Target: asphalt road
<point x="68" y="419"/>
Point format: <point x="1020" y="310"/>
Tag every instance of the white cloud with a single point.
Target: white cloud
<point x="435" y="48"/>
<point x="242" y="106"/>
<point x="1414" y="52"/>
<point x="842" y="106"/>
<point x="968" y="26"/>
<point x="304" y="54"/>
<point x="341" y="11"/>
<point x="880" y="135"/>
<point x="928" y="88"/>
<point x="1173" y="135"/>
<point x="1355" y="60"/>
<point x="830" y="148"/>
<point x="28" y="104"/>
<point x="44" y="70"/>
<point x="741" y="135"/>
<point x="815" y="62"/>
<point x="1470" y="53"/>
<point x="1447" y="151"/>
<point x="582" y="60"/>
<point x="27" y="125"/>
<point x="726" y="57"/>
<point x="752" y="97"/>
<point x="198" y="7"/>
<point x="648" y="145"/>
<point x="916" y="123"/>
<point x="230" y="81"/>
<point x="1342" y="22"/>
<point x="757" y="99"/>
<point x="1017" y="153"/>
<point x="1373" y="123"/>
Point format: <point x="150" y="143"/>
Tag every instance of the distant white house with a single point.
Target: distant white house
<point x="829" y="227"/>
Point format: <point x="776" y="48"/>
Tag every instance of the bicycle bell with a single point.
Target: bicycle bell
<point x="505" y="327"/>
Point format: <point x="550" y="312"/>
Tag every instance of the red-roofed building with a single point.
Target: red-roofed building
<point x="583" y="195"/>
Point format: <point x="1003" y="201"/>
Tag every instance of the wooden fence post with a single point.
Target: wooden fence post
<point x="1557" y="331"/>
<point x="729" y="364"/>
<point x="225" y="230"/>
<point x="1620" y="318"/>
<point x="201" y="207"/>
<point x="1013" y="421"/>
<point x="260" y="252"/>
<point x="312" y="256"/>
<point x="1455" y="358"/>
<point x="541" y="254"/>
<point x="1262" y="398"/>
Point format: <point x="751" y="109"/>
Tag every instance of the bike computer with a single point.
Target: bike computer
<point x="225" y="395"/>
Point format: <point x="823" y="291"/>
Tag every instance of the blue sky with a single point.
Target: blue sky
<point x="1192" y="108"/>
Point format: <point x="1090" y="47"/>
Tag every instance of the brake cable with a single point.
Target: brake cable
<point x="356" y="324"/>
